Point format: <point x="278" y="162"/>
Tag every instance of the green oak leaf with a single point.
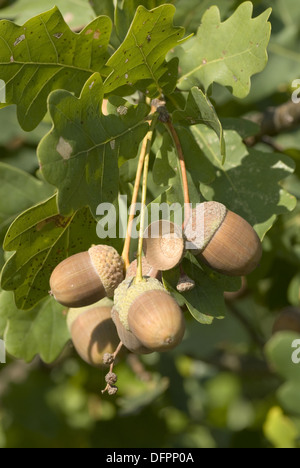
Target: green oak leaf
<point x="228" y="52"/>
<point x="24" y="191"/>
<point x="141" y="57"/>
<point x="42" y="331"/>
<point x="41" y="239"/>
<point x="44" y="55"/>
<point x="206" y="301"/>
<point x="245" y="128"/>
<point x="248" y="182"/>
<point x="199" y="110"/>
<point x="80" y="154"/>
<point x="125" y="13"/>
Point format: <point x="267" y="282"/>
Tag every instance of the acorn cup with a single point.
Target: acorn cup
<point x="87" y="277"/>
<point x="148" y="311"/>
<point x="93" y="332"/>
<point x="223" y="240"/>
<point x="163" y="245"/>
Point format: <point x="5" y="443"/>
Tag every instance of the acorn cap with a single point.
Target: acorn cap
<point x="109" y="265"/>
<point x="202" y="225"/>
<point x="128" y="291"/>
<point x="223" y="240"/>
<point x="163" y="245"/>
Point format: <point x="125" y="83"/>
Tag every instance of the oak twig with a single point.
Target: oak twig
<point x="275" y="120"/>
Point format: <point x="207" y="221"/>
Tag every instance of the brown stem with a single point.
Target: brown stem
<point x="185" y="184"/>
<point x="143" y="153"/>
<point x="138" y="177"/>
<point x="112" y="365"/>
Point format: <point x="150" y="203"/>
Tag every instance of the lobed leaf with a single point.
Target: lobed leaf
<point x="24" y="191"/>
<point x="42" y="238"/>
<point x="43" y="330"/>
<point x="206" y="301"/>
<point x="44" y="55"/>
<point x="80" y="154"/>
<point x="125" y="12"/>
<point x="227" y="53"/>
<point x="141" y="57"/>
<point x="248" y="182"/>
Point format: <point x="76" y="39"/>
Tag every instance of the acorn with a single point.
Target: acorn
<point x="87" y="277"/>
<point x="163" y="245"/>
<point x="288" y="320"/>
<point x="93" y="332"/>
<point x="222" y="239"/>
<point x="128" y="339"/>
<point x="148" y="270"/>
<point x="148" y="311"/>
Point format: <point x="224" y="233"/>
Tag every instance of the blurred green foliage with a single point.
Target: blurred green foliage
<point x="228" y="385"/>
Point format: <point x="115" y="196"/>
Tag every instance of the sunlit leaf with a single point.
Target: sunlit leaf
<point x="43" y="330"/>
<point x="80" y="154"/>
<point x="44" y="55"/>
<point x="248" y="182"/>
<point x="141" y="57"/>
<point x="42" y="239"/>
<point x="227" y="53"/>
<point x="199" y="110"/>
<point x="24" y="191"/>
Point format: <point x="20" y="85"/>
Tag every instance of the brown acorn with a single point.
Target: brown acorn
<point x="163" y="245"/>
<point x="93" y="332"/>
<point x="128" y="339"/>
<point x="148" y="311"/>
<point x="87" y="277"/>
<point x="288" y="320"/>
<point x="223" y="240"/>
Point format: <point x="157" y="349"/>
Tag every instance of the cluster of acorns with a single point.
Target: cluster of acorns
<point x="144" y="316"/>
